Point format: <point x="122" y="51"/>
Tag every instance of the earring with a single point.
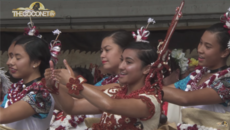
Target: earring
<point x="34" y="66"/>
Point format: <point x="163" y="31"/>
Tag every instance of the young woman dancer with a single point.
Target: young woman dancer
<point x="207" y="89"/>
<point x="134" y="106"/>
<point x="28" y="105"/>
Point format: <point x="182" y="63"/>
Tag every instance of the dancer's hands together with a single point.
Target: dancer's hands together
<point x="49" y="77"/>
<point x="63" y="75"/>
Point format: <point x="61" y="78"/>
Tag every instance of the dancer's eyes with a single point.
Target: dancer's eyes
<point x="128" y="62"/>
<point x="18" y="58"/>
<point x="208" y="46"/>
<point x="107" y="50"/>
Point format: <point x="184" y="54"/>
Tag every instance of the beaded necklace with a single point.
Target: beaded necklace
<point x="19" y="90"/>
<point x="110" y="79"/>
<point x="197" y="75"/>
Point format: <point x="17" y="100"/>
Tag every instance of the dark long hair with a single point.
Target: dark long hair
<point x="146" y="53"/>
<point x="222" y="34"/>
<point x="37" y="49"/>
<point x="122" y="38"/>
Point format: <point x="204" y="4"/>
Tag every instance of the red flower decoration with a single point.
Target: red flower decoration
<point x="75" y="85"/>
<point x="110" y="121"/>
<point x="60" y="128"/>
<point x="126" y="120"/>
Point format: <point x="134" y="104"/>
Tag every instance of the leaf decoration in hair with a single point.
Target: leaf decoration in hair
<point x="143" y="33"/>
<point x="55" y="47"/>
<point x="226" y="19"/>
<point x="31" y="29"/>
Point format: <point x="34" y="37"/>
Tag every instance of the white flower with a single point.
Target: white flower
<point x="177" y="54"/>
<point x="183" y="63"/>
<point x="180" y="57"/>
<point x="56" y="32"/>
<point x="151" y="20"/>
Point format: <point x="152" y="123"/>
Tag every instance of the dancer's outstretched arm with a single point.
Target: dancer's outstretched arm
<point x="15" y="112"/>
<point x="198" y="97"/>
<point x="49" y="71"/>
<point x="128" y="107"/>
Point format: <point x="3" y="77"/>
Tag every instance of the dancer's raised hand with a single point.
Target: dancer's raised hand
<point x="63" y="75"/>
<point x="49" y="77"/>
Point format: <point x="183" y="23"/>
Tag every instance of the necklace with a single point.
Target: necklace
<point x="110" y="79"/>
<point x="219" y="69"/>
<point x="197" y="75"/>
<point x="19" y="90"/>
<point x="31" y="82"/>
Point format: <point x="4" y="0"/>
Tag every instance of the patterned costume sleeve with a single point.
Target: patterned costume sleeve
<point x="182" y="83"/>
<point x="40" y="101"/>
<point x="152" y="104"/>
<point x="222" y="87"/>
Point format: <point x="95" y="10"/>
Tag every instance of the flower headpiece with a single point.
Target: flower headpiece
<point x="143" y="33"/>
<point x="226" y="19"/>
<point x="55" y="47"/>
<point x="4" y="80"/>
<point x="31" y="29"/>
<point x="182" y="61"/>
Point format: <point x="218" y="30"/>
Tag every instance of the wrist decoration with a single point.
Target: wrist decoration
<point x="54" y="89"/>
<point x="75" y="85"/>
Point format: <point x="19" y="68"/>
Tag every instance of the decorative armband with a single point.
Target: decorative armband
<point x="75" y="85"/>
